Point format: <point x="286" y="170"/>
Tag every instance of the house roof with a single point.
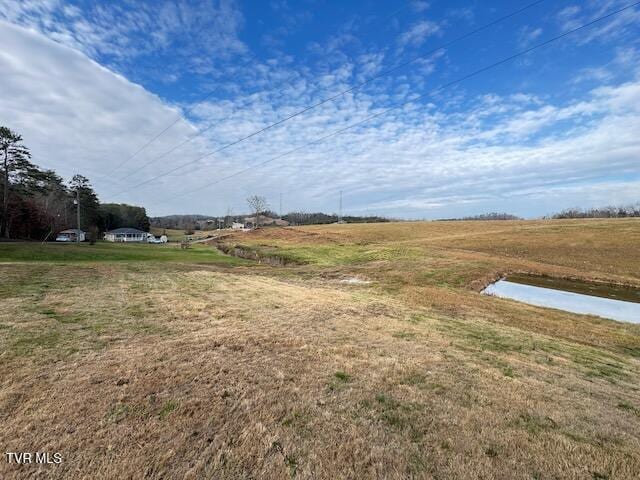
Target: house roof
<point x="127" y="230"/>
<point x="72" y="230"/>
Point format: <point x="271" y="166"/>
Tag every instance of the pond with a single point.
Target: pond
<point x="607" y="301"/>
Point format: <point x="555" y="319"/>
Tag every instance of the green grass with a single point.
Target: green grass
<point x="398" y="415"/>
<point x="535" y="424"/>
<point x="167" y="408"/>
<point x="404" y="335"/>
<point x="62" y="313"/>
<point x="342" y="376"/>
<point x="334" y="255"/>
<point x="111" y="252"/>
<point x="629" y="408"/>
<point x="25" y="343"/>
<point x="593" y="362"/>
<point x="339" y="381"/>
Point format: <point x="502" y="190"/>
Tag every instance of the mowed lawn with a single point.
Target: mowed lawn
<point x="369" y="354"/>
<point x="110" y="252"/>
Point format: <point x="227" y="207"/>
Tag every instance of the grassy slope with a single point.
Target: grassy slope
<point x="441" y="265"/>
<point x="287" y="372"/>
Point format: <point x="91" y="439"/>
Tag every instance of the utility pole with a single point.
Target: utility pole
<point x="340" y="209"/>
<point x="77" y="202"/>
<point x="280" y="205"/>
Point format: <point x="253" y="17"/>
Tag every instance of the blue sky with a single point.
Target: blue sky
<point x="90" y="83"/>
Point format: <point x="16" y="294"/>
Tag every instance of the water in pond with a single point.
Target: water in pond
<point x="601" y="301"/>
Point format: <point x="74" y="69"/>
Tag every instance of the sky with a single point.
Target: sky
<point x="149" y="100"/>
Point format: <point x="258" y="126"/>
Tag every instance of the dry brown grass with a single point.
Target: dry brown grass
<point x="194" y="371"/>
<point x="442" y="265"/>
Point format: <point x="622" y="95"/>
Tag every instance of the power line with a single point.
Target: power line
<point x="401" y="104"/>
<point x="209" y="95"/>
<point x="325" y="100"/>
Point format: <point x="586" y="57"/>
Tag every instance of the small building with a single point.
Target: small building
<point x="126" y="235"/>
<point x="237" y="226"/>
<point x="71" y="235"/>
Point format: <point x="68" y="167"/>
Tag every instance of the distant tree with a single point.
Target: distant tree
<point x="54" y="200"/>
<point x="600" y="212"/>
<point x="493" y="216"/>
<point x="484" y="216"/>
<point x="89" y="204"/>
<point x="15" y="162"/>
<point x="117" y="215"/>
<point x="258" y="205"/>
<point x="319" y="218"/>
<point x="36" y="203"/>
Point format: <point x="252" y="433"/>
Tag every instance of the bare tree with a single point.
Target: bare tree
<point x="257" y="204"/>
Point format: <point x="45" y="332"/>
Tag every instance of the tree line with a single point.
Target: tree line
<point x="601" y="212"/>
<point x="203" y="222"/>
<point x="483" y="217"/>
<point x="37" y="203"/>
<point x="319" y="218"/>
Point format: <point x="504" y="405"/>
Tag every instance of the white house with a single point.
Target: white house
<point x="237" y="226"/>
<point x="71" y="235"/>
<point x="126" y="235"/>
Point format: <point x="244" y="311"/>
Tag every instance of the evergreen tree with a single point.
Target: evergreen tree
<point x="16" y="168"/>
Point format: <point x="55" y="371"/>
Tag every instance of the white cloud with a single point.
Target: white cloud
<point x="192" y="36"/>
<point x="458" y="155"/>
<point x="529" y="35"/>
<point x="418" y="33"/>
<point x="76" y="116"/>
<point x="617" y="26"/>
<point x="420" y="5"/>
<point x="466" y="13"/>
<point x="504" y="151"/>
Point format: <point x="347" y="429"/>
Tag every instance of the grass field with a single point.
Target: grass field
<point x="153" y="362"/>
<point x="110" y="252"/>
